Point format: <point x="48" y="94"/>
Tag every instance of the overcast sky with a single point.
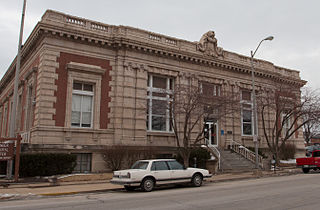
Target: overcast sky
<point x="239" y="25"/>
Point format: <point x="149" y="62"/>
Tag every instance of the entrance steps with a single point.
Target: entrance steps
<point x="234" y="162"/>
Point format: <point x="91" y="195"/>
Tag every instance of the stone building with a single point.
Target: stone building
<point x="84" y="85"/>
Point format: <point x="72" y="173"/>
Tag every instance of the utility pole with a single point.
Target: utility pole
<point x="13" y="111"/>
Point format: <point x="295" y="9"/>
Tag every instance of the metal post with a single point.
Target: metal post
<point x="255" y="123"/>
<point x="254" y="104"/>
<point x="15" y="90"/>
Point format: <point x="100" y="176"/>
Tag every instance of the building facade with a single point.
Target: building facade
<point x="86" y="85"/>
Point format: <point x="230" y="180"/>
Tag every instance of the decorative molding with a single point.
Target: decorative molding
<point x="91" y="69"/>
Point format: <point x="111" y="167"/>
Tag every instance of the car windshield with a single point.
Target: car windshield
<point x="140" y="165"/>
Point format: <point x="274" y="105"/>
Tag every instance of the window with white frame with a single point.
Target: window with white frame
<point x="246" y="113"/>
<point x="286" y="124"/>
<point x="159" y="97"/>
<point x="82" y="103"/>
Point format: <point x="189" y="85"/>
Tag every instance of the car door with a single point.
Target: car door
<point x="177" y="172"/>
<point x="160" y="171"/>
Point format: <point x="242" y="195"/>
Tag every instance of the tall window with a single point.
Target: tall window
<point x="210" y="89"/>
<point x="4" y="124"/>
<point x="246" y="113"/>
<point x="286" y="124"/>
<point x="1" y="121"/>
<point x="29" y="113"/>
<point x="82" y="98"/>
<point x="160" y="91"/>
<point x="18" y="117"/>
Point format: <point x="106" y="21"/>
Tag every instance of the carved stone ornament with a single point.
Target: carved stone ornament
<point x="208" y="45"/>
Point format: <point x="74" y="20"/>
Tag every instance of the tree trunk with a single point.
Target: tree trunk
<point x="186" y="162"/>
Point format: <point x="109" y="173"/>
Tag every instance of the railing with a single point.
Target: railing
<point x="214" y="152"/>
<point x="246" y="153"/>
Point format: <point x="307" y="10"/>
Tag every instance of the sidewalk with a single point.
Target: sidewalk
<point x="66" y="186"/>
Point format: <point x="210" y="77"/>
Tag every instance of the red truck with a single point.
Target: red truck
<point x="308" y="163"/>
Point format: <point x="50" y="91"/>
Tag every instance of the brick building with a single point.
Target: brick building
<point x="84" y="85"/>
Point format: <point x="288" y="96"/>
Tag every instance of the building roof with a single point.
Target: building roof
<point x="66" y="26"/>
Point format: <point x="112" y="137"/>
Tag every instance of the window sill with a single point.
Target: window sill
<point x="160" y="133"/>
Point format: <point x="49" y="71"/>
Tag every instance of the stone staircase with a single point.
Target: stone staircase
<point x="231" y="161"/>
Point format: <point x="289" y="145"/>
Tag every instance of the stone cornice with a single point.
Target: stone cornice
<point x="123" y="37"/>
<point x="73" y="66"/>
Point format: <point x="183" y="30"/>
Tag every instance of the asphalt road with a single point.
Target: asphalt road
<point x="300" y="191"/>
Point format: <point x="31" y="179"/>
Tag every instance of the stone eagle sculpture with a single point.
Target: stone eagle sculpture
<point x="209" y="46"/>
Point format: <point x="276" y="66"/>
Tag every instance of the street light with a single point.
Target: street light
<point x="255" y="122"/>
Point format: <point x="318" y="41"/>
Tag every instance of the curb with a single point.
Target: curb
<point x="212" y="180"/>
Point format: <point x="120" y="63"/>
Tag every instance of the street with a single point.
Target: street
<point x="286" y="192"/>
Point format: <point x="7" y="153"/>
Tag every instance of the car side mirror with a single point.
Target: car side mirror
<point x="184" y="168"/>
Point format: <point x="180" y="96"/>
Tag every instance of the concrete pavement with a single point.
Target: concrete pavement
<point x="95" y="183"/>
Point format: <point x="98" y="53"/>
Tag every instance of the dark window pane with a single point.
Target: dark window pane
<point x="157" y="94"/>
<point x="83" y="163"/>
<point x="174" y="165"/>
<point x="246" y="115"/>
<point x="158" y="123"/>
<point x="159" y="166"/>
<point x="247" y="129"/>
<point x="316" y="154"/>
<point x="171" y="84"/>
<point x="246" y="95"/>
<point x="246" y="106"/>
<point x="207" y="89"/>
<point x="159" y="82"/>
<point x="88" y="87"/>
<point x="159" y="107"/>
<point x="140" y="165"/>
<point x="77" y="86"/>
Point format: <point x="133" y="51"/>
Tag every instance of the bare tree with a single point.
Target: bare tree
<point x="311" y="129"/>
<point x="192" y="103"/>
<point x="283" y="113"/>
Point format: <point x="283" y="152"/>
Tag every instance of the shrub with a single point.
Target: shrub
<point x="288" y="151"/>
<point x="252" y="149"/>
<point x="119" y="156"/>
<point x="200" y="154"/>
<point x="46" y="164"/>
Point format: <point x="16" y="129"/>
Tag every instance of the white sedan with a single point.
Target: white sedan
<point x="149" y="173"/>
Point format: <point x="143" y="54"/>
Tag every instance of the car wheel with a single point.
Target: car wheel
<point x="147" y="184"/>
<point x="129" y="188"/>
<point x="305" y="170"/>
<point x="197" y="180"/>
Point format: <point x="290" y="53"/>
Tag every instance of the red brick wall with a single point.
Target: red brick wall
<point x="61" y="83"/>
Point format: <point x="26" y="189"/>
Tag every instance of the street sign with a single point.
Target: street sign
<point x="6" y="151"/>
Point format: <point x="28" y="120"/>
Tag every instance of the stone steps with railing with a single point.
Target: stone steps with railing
<point x="233" y="162"/>
<point x="246" y="153"/>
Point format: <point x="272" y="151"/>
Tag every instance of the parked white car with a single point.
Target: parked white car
<point x="149" y="173"/>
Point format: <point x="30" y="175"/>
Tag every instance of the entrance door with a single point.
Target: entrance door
<point x="211" y="133"/>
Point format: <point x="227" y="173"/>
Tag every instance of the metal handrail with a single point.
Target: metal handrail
<point x="245" y="152"/>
